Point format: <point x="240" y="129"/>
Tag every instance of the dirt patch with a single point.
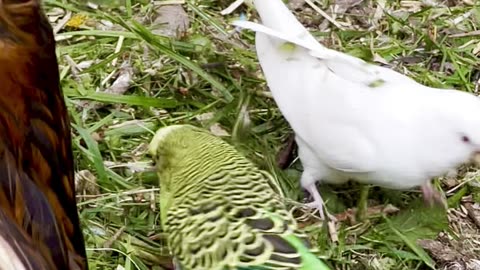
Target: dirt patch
<point x="459" y="248"/>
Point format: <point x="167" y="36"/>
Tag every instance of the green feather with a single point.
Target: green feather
<point x="219" y="210"/>
<point x="287" y="47"/>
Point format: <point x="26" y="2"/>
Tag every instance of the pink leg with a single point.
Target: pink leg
<point x="318" y="202"/>
<point x="431" y="196"/>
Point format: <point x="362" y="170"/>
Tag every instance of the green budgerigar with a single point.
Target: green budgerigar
<point x="219" y="210"/>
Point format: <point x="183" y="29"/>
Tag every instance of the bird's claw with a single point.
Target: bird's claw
<point x="319" y="207"/>
<point x="431" y="195"/>
<point x="318" y="202"/>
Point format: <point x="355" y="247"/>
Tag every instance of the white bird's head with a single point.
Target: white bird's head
<point x="461" y="114"/>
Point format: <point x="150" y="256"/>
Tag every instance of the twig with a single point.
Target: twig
<point x="114" y="238"/>
<point x="471" y="213"/>
<point x="232" y="7"/>
<point x="62" y="22"/>
<point x="325" y="15"/>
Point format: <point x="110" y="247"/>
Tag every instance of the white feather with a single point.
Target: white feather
<point x="8" y="258"/>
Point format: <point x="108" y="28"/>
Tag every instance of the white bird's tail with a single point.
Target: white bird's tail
<point x="279" y="22"/>
<point x="276" y="15"/>
<point x="279" y="25"/>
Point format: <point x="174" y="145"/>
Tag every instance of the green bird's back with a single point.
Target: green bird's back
<point x="219" y="210"/>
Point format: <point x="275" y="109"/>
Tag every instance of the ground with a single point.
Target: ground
<point x="129" y="67"/>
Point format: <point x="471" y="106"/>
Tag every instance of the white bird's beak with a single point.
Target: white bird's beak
<point x="476" y="158"/>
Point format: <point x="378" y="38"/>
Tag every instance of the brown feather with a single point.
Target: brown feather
<point x="37" y="198"/>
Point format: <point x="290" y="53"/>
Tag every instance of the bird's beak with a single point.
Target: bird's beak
<point x="476" y="158"/>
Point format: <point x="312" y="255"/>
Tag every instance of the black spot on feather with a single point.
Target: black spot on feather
<point x="263" y="224"/>
<point x="280" y="245"/>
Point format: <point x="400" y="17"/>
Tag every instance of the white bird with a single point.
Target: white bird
<point x="355" y="120"/>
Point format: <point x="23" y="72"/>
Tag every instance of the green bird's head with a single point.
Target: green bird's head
<point x="177" y="147"/>
<point x="175" y="143"/>
<point x="185" y="155"/>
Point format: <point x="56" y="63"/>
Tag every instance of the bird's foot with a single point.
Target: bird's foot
<point x="362" y="207"/>
<point x="319" y="207"/>
<point x="431" y="195"/>
<point x="318" y="203"/>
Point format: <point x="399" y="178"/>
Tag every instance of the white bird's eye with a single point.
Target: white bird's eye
<point x="465" y="139"/>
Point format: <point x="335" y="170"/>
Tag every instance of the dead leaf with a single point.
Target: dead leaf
<point x="54" y="14"/>
<point x="296" y="4"/>
<point x="86" y="183"/>
<point x="172" y="21"/>
<point x="341" y="6"/>
<point x="217" y="130"/>
<point x="439" y="250"/>
<point x="204" y="116"/>
<point x="123" y="81"/>
<point x="118" y="87"/>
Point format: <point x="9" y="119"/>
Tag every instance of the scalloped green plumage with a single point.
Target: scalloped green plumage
<point x="219" y="210"/>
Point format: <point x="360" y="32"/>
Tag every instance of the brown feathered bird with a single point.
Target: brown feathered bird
<point x="39" y="224"/>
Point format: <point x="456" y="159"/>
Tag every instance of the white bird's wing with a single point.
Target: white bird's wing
<point x="309" y="97"/>
<point x="342" y="148"/>
<point x="330" y="98"/>
<point x="343" y="65"/>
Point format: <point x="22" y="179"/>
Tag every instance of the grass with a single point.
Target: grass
<point x="209" y="76"/>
